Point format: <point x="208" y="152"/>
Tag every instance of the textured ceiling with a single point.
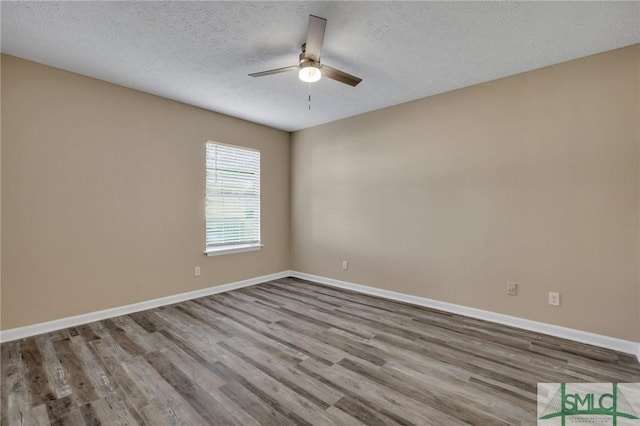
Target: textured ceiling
<point x="201" y="52"/>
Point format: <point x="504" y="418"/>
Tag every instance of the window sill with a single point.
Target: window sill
<point x="217" y="251"/>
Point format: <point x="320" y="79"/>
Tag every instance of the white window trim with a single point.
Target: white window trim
<point x="240" y="248"/>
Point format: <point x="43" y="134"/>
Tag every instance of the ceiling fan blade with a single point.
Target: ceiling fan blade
<point x="315" y="37"/>
<point x="340" y="76"/>
<point x="275" y="71"/>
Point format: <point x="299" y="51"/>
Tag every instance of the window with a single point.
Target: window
<point x="232" y="199"/>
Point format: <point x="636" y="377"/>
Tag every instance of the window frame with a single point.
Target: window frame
<point x="239" y="246"/>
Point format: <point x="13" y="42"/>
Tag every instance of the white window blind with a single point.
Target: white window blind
<point x="232" y="197"/>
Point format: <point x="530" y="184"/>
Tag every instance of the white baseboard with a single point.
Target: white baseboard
<point x="614" y="343"/>
<point x="46" y="327"/>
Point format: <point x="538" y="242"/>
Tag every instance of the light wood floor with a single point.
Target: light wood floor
<point x="292" y="352"/>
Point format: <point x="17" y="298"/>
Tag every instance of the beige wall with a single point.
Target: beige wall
<point x="0" y="196"/>
<point x="102" y="195"/>
<point x="531" y="178"/>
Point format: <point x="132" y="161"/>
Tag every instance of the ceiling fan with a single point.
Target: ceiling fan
<point x="309" y="69"/>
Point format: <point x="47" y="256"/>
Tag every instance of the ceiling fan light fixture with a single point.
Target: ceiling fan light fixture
<point x="309" y="72"/>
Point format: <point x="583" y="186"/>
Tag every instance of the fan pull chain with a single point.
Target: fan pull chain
<point x="309" y="96"/>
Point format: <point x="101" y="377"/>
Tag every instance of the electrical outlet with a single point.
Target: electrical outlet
<point x="554" y="298"/>
<point x="345" y="265"/>
<point x="196" y="271"/>
<point x="512" y="289"/>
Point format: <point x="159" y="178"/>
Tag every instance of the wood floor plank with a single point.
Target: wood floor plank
<point x="198" y="372"/>
<point x="165" y="403"/>
<point x="310" y="392"/>
<point x="143" y="321"/>
<point x="461" y="360"/>
<point x="271" y="296"/>
<point x="15" y="397"/>
<point x="281" y="368"/>
<point x="99" y="329"/>
<point x="286" y="297"/>
<point x="93" y="368"/>
<point x="360" y="412"/>
<point x="89" y="414"/>
<point x="410" y="412"/>
<point x="144" y="340"/>
<point x="329" y="320"/>
<point x="57" y="376"/>
<point x="315" y="369"/>
<point x="37" y="416"/>
<point x="264" y="413"/>
<point x="340" y="417"/>
<point x="307" y="343"/>
<point x="37" y="379"/>
<point x="202" y="319"/>
<point x="73" y="418"/>
<point x="113" y="410"/>
<point x="120" y="336"/>
<point x="258" y="312"/>
<point x="132" y="396"/>
<point x="202" y="402"/>
<point x="457" y="401"/>
<point x="292" y="352"/>
<point x="252" y="329"/>
<point x="240" y="416"/>
<point x="59" y="408"/>
<point x="84" y="391"/>
<point x="181" y="325"/>
<point x="284" y="400"/>
<point x="205" y="358"/>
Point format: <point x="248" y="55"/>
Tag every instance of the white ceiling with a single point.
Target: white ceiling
<point x="201" y="52"/>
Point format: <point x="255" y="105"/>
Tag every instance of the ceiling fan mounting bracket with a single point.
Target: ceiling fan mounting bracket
<point x="304" y="60"/>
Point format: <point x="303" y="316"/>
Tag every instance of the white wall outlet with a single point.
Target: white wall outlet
<point x="196" y="271"/>
<point x="345" y="265"/>
<point x="554" y="298"/>
<point x="512" y="289"/>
